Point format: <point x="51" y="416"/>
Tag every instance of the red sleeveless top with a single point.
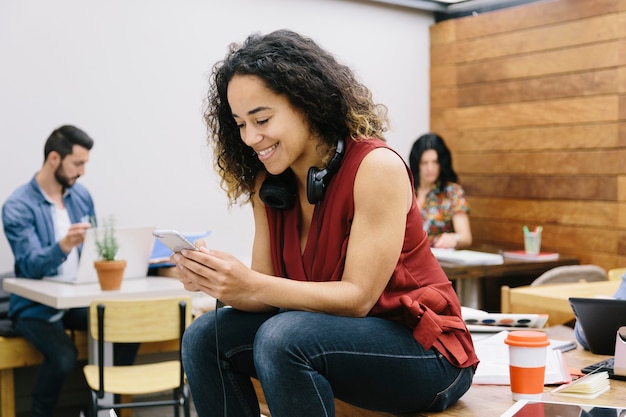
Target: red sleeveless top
<point x="419" y="294"/>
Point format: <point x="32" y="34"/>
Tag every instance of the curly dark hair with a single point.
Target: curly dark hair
<point x="325" y="91"/>
<point x="444" y="157"/>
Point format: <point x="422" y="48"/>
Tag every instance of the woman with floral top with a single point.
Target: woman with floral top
<point x="441" y="199"/>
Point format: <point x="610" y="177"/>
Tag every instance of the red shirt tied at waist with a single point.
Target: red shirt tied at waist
<point x="418" y="294"/>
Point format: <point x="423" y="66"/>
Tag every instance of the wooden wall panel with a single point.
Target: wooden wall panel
<point x="578" y="58"/>
<point x="532" y="102"/>
<point x="534" y="15"/>
<point x="575" y="136"/>
<point x="587" y="83"/>
<point x="542" y="187"/>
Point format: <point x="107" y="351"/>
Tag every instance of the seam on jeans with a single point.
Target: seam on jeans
<point x="237" y="350"/>
<point x="319" y="397"/>
<point x="449" y="387"/>
<point x="351" y="352"/>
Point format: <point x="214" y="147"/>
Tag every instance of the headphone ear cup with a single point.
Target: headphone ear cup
<point x="279" y="191"/>
<point x="318" y="179"/>
<point x="315" y="185"/>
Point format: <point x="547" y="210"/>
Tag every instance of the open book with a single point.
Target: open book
<point x="589" y="386"/>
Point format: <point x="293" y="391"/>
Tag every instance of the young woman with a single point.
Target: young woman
<point x="343" y="298"/>
<point x="441" y="199"/>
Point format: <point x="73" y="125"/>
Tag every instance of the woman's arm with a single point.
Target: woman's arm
<point x="382" y="195"/>
<point x="461" y="224"/>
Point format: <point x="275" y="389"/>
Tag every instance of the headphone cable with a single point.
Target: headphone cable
<point x="217" y="358"/>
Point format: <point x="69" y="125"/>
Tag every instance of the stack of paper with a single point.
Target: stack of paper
<point x="467" y="257"/>
<point x="494" y="362"/>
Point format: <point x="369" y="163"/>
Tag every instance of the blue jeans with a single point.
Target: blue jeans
<point x="60" y="356"/>
<point x="304" y="360"/>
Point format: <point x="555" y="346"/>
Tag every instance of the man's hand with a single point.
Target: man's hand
<point x="75" y="236"/>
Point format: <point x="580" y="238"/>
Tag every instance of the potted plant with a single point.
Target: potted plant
<point x="110" y="270"/>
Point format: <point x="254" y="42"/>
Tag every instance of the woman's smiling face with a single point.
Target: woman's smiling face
<point x="271" y="126"/>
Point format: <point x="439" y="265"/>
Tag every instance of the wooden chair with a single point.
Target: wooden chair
<point x="132" y="321"/>
<point x="571" y="273"/>
<point x="615" y="274"/>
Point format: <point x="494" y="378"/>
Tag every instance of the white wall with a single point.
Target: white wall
<point x="133" y="75"/>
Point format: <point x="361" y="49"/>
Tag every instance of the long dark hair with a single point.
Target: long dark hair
<point x="433" y="141"/>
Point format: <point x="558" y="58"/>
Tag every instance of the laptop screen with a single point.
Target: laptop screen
<point x="600" y="318"/>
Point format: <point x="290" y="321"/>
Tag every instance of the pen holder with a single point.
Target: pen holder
<point x="619" y="366"/>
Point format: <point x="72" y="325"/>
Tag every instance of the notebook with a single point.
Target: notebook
<point x="467" y="257"/>
<point x="136" y="245"/>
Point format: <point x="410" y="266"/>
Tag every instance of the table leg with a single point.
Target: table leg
<point x="469" y="291"/>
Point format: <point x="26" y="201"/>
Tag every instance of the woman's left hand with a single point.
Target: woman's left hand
<point x="215" y="273"/>
<point x="447" y="241"/>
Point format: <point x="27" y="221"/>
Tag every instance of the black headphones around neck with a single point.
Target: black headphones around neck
<point x="279" y="191"/>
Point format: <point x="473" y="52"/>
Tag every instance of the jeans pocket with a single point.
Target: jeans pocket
<point x="454" y="391"/>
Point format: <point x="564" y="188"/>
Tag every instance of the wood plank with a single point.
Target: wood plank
<point x="555" y="36"/>
<point x="543" y="113"/>
<point x="532" y="15"/>
<point x="621" y="188"/>
<point x="581" y="58"/>
<point x="567" y="239"/>
<point x="585" y="162"/>
<point x="442" y="32"/>
<point x="553" y="187"/>
<point x="574" y="136"/>
<point x="443" y="75"/>
<point x="443" y="97"/>
<point x="543" y="88"/>
<point x="575" y="212"/>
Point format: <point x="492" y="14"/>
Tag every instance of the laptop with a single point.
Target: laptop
<point x="600" y="319"/>
<point x="136" y="245"/>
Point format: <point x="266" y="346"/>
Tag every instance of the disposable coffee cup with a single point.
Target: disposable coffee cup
<point x="532" y="241"/>
<point x="527" y="363"/>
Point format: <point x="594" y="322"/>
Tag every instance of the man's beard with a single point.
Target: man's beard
<point x="64" y="181"/>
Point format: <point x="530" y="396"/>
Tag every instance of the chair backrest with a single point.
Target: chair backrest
<point x="571" y="273"/>
<point x="139" y="320"/>
<point x="615" y="274"/>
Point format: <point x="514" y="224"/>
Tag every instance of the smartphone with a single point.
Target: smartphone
<point x="174" y="240"/>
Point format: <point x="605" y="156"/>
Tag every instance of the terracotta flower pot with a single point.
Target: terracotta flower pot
<point x="110" y="274"/>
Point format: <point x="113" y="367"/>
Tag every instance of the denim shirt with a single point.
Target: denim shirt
<point x="620" y="294"/>
<point x="29" y="228"/>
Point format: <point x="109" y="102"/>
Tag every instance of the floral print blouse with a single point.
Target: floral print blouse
<point x="439" y="208"/>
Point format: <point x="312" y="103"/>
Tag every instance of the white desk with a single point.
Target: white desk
<point x="61" y="295"/>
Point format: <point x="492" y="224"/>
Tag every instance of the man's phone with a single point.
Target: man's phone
<point x="174" y="240"/>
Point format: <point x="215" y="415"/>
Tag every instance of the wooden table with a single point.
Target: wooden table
<point x="478" y="286"/>
<point x="553" y="299"/>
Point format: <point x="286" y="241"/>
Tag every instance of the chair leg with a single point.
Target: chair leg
<point x="94" y="404"/>
<point x="186" y="399"/>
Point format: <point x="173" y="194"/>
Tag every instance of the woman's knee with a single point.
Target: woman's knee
<point x="280" y="335"/>
<point x="197" y="336"/>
